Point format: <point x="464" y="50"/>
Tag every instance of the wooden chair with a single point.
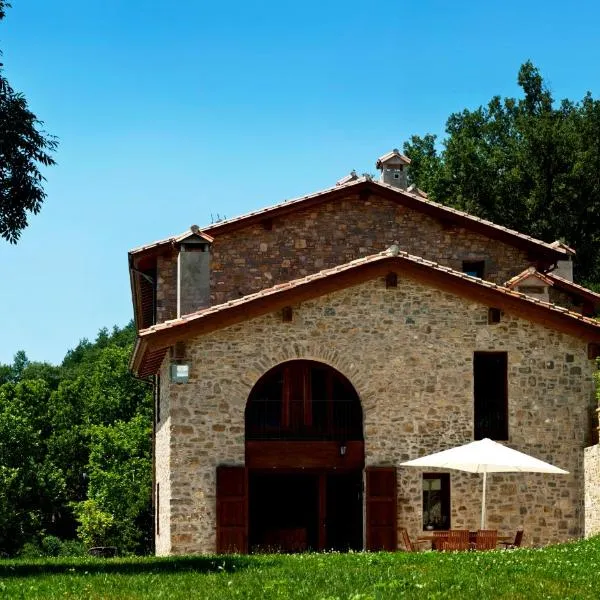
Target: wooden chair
<point x="458" y="539"/>
<point x="485" y="539"/>
<point x="439" y="538"/>
<point x="516" y="543"/>
<point x="408" y="543"/>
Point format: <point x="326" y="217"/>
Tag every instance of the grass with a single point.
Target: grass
<point x="564" y="571"/>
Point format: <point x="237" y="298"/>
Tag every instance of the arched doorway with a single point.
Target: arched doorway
<point x="304" y="455"/>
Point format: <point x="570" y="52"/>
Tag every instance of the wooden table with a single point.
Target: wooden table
<point x="472" y="535"/>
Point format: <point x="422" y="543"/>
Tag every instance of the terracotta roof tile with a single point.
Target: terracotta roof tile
<point x="562" y="245"/>
<point x="385" y="255"/>
<point x="193" y="230"/>
<point x="395" y="153"/>
<point x="571" y="285"/>
<point x="419" y="200"/>
<point x="529" y="272"/>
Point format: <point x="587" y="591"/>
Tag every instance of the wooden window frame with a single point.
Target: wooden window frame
<point x="297" y="407"/>
<point x="445" y="493"/>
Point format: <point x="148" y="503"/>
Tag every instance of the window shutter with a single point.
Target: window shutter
<point x="381" y="508"/>
<point x="232" y="510"/>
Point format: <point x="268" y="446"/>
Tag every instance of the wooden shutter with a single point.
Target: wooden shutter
<point x="381" y="511"/>
<point x="232" y="510"/>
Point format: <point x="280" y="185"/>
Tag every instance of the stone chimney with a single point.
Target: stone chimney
<point x="564" y="268"/>
<point x="394" y="169"/>
<point x="193" y="271"/>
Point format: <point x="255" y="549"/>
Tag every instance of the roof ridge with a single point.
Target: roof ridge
<point x="349" y="185"/>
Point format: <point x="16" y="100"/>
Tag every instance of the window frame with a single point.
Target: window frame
<point x="476" y="266"/>
<point x="445" y="501"/>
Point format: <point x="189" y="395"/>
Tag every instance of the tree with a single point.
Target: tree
<point x="24" y="147"/>
<point x="523" y="163"/>
<point x="118" y="511"/>
<point x="75" y="448"/>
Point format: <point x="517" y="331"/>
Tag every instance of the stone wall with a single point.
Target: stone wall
<point x="327" y="235"/>
<point x="162" y="464"/>
<point x="408" y="351"/>
<point x="592" y="490"/>
<point x="166" y="287"/>
<point x="337" y="232"/>
<point x="562" y="298"/>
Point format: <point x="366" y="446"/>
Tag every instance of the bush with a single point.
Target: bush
<point x="31" y="550"/>
<point x="72" y="548"/>
<point x="51" y="546"/>
<point x="95" y="525"/>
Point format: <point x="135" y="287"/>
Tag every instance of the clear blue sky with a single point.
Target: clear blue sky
<point x="168" y="112"/>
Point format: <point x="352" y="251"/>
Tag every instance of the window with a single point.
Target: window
<point x="490" y="395"/>
<point x="475" y="268"/>
<point x="493" y="315"/>
<point x="158" y="509"/>
<point x="396" y="175"/>
<point x="157" y="398"/>
<point x="531" y="289"/>
<point x="436" y="501"/>
<point x="391" y="280"/>
<point x="303" y="400"/>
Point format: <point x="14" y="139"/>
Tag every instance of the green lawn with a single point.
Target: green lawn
<point x="564" y="571"/>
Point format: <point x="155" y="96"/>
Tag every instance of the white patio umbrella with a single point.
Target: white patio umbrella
<point x="484" y="456"/>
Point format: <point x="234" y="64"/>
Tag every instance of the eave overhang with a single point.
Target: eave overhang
<point x="153" y="342"/>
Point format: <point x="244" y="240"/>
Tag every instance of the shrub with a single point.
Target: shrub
<point x="31" y="550"/>
<point x="72" y="548"/>
<point x="51" y="546"/>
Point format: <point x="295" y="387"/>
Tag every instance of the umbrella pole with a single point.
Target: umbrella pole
<point x="483" y="500"/>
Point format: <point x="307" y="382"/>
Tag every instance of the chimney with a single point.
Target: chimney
<point x="564" y="268"/>
<point x="394" y="169"/>
<point x="193" y="272"/>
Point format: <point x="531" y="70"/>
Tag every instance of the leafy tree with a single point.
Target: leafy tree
<point x="24" y="147"/>
<point x="75" y="449"/>
<point x="29" y="487"/>
<point x="118" y="508"/>
<point x="524" y="163"/>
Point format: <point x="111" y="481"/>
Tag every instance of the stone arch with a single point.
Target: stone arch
<point x="303" y="399"/>
<point x="272" y="357"/>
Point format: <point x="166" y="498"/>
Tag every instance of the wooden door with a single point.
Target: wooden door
<point x="232" y="510"/>
<point x="381" y="508"/>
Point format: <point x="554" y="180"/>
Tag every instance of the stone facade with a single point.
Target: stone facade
<point x="408" y="351"/>
<point x="166" y="288"/>
<point x="565" y="299"/>
<point x="163" y="497"/>
<point x="330" y="234"/>
<point x="592" y="490"/>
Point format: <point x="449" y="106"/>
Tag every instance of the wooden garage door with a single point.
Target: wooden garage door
<point x="232" y="510"/>
<point x="381" y="508"/>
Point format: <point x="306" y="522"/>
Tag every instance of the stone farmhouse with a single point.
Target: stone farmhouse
<point x="301" y="352"/>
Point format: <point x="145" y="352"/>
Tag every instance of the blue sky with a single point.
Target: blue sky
<point x="168" y="113"/>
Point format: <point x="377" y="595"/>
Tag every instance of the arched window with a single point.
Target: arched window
<point x="303" y="400"/>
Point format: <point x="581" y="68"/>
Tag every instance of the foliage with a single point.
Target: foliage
<point x="24" y="147"/>
<point x="120" y="472"/>
<point x="526" y="163"/>
<point x="96" y="526"/>
<point x="562" y="571"/>
<point x="51" y="546"/>
<point x="75" y="442"/>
